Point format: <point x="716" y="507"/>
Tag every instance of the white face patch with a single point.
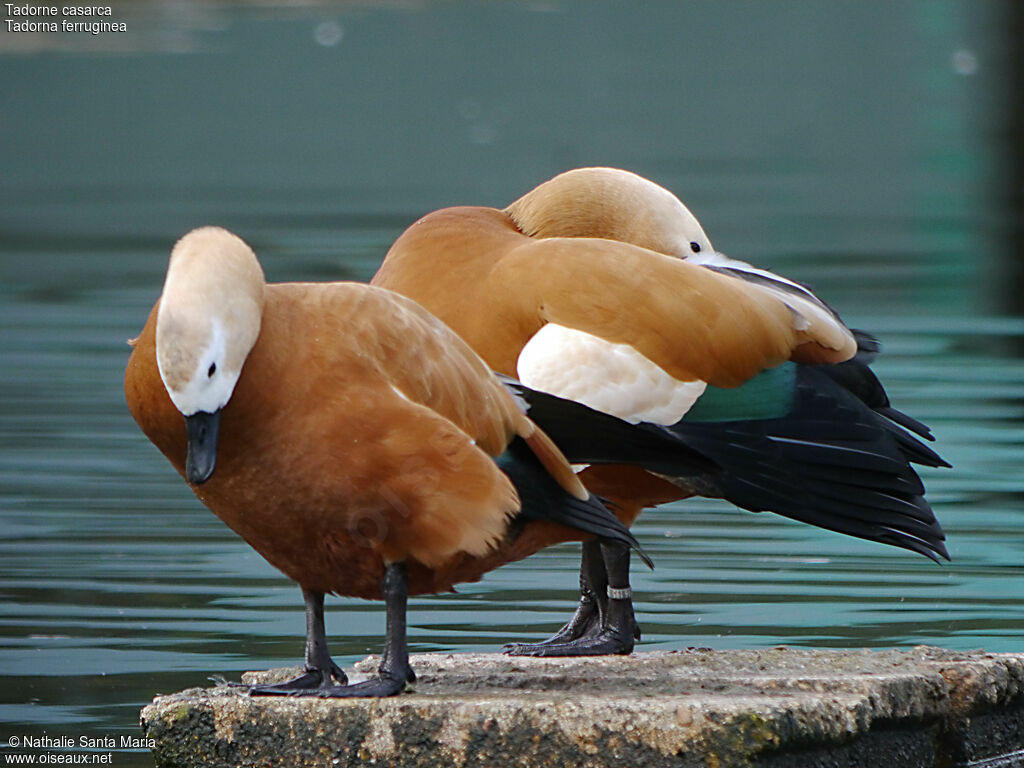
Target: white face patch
<point x="211" y="383"/>
<point x="611" y="378"/>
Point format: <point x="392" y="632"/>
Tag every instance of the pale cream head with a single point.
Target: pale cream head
<point x="209" y="318"/>
<point x="611" y="204"/>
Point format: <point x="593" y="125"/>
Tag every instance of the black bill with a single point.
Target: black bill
<point x="201" y="459"/>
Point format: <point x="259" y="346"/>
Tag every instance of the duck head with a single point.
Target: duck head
<point x="207" y="323"/>
<point x="613" y="204"/>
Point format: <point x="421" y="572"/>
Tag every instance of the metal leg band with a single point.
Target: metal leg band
<point x="614" y="593"/>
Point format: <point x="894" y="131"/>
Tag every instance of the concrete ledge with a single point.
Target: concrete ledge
<point x="781" y="707"/>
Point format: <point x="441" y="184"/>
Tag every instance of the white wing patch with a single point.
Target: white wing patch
<point x="612" y="378"/>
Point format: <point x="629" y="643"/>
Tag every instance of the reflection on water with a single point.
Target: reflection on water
<point x="838" y="163"/>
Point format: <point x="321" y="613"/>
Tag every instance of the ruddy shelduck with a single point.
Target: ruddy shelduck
<point x="350" y="437"/>
<point x="601" y="287"/>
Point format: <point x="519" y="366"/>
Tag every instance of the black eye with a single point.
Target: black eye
<point x="695" y="247"/>
<point x="212" y="369"/>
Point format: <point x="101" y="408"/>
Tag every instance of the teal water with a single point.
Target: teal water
<point x="859" y="147"/>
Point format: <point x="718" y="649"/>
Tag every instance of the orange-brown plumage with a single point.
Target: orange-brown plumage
<point x="350" y="437"/>
<point x="584" y="256"/>
<point x="361" y="431"/>
<point x="600" y="287"/>
<point x="497" y="286"/>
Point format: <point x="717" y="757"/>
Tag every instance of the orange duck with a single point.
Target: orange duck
<point x="350" y="437"/>
<point x="601" y="287"/>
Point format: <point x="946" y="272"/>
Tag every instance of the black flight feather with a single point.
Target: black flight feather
<point x="542" y="498"/>
<point x="838" y="459"/>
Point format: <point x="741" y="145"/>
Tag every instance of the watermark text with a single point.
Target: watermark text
<point x="91" y="19"/>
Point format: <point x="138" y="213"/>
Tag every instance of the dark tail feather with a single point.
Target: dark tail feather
<point x="542" y="498"/>
<point x="856" y="376"/>
<point x="915" y="451"/>
<point x="907" y="422"/>
<point x="832" y="462"/>
<point x="840" y="459"/>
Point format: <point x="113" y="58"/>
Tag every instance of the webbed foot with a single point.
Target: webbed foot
<point x="308" y="683"/>
<point x="604" y="643"/>
<point x="387" y="684"/>
<point x="602" y="625"/>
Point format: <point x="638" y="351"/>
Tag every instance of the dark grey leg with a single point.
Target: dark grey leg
<point x="320" y="667"/>
<point x="395" y="671"/>
<point x="589" y="611"/>
<point x="604" y="622"/>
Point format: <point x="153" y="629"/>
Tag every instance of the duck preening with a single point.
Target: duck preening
<point x="353" y="440"/>
<point x="601" y="287"/>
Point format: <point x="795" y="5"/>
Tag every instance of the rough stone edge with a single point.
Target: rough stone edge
<point x="950" y="692"/>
